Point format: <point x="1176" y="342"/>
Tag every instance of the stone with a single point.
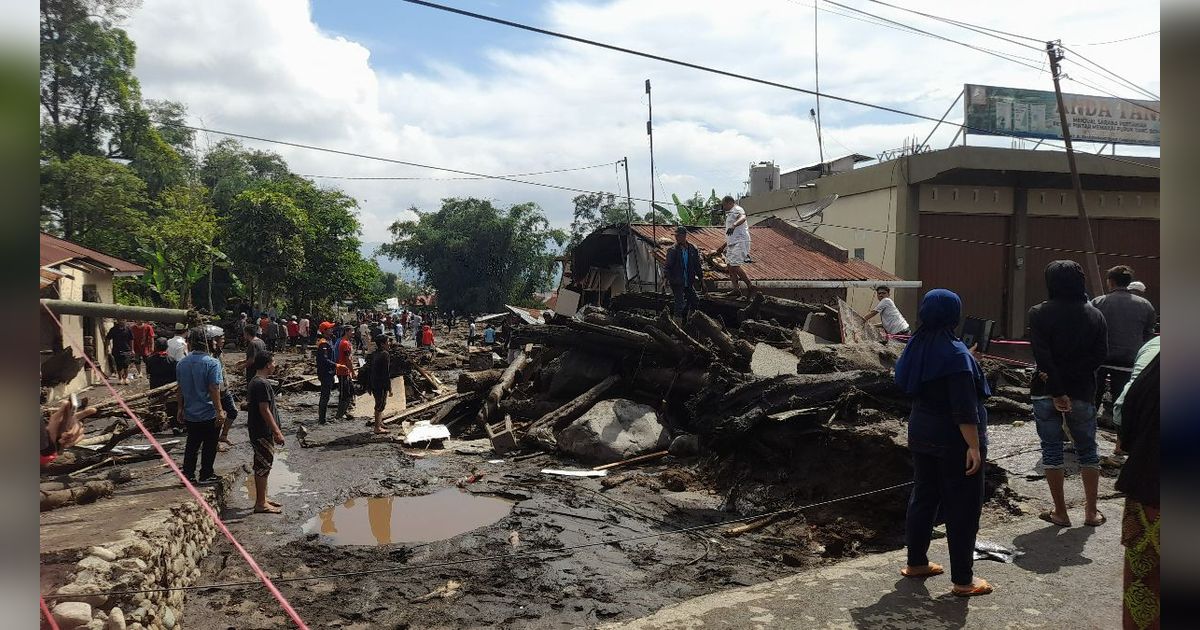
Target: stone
<point x="613" y="430"/>
<point x="686" y="445"/>
<point x="168" y="618"/>
<point x="103" y="553"/>
<point x="768" y="360"/>
<point x="133" y="548"/>
<point x="95" y="564"/>
<point x="72" y="615"/>
<point x="116" y="620"/>
<point x="136" y="626"/>
<point x="95" y="624"/>
<point x="139" y="614"/>
<point x="86" y="593"/>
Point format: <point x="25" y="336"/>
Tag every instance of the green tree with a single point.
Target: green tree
<point x="159" y="153"/>
<point x="93" y="201"/>
<point x="594" y="210"/>
<point x="476" y="256"/>
<point x="179" y="248"/>
<point x="87" y="80"/>
<point x="229" y="169"/>
<point x="264" y="237"/>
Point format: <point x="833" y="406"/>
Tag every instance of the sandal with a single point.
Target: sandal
<point x="1048" y="516"/>
<point x="1098" y="521"/>
<point x="983" y="588"/>
<point x="270" y="509"/>
<point x="930" y="570"/>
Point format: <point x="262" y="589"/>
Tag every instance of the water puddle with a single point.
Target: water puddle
<point x="282" y="480"/>
<point x="388" y="520"/>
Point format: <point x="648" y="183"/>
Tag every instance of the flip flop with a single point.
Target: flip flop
<point x="381" y="432"/>
<point x="1048" y="516"/>
<point x="274" y="503"/>
<point x="932" y="570"/>
<point x="270" y="509"/>
<point x="983" y="588"/>
<point x="1098" y="521"/>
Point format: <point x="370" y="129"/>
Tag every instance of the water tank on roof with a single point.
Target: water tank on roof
<point x="764" y="177"/>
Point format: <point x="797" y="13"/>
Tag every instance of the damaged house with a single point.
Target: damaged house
<point x="73" y="272"/>
<point x="788" y="262"/>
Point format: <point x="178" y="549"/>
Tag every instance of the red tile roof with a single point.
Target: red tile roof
<point x="780" y="251"/>
<point x="55" y="250"/>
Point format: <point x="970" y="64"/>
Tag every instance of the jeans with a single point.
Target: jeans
<point x="201" y="439"/>
<point x="323" y="403"/>
<point x="685" y="299"/>
<point x="345" y="395"/>
<point x="1119" y="379"/>
<point x="1081" y="421"/>
<point x="941" y="489"/>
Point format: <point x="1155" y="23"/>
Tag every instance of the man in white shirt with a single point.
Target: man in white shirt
<point x="177" y="346"/>
<point x="302" y="327"/>
<point x="893" y="322"/>
<point x="737" y="244"/>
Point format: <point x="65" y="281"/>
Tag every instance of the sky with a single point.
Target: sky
<point x="398" y="81"/>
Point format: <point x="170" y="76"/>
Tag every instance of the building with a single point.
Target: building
<point x="789" y="262"/>
<point x="72" y="272"/>
<point x="981" y="221"/>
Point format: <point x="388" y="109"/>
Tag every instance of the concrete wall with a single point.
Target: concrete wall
<point x="70" y="287"/>
<point x="1041" y="201"/>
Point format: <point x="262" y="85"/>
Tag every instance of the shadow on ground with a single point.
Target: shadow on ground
<point x="910" y="606"/>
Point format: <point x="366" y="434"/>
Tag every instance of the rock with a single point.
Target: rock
<point x="85" y="593"/>
<point x="116" y="620"/>
<point x="95" y="564"/>
<point x="768" y="360"/>
<point x="168" y="618"/>
<point x="103" y="553"/>
<point x="95" y="624"/>
<point x="133" y="548"/>
<point x="72" y="615"/>
<point x="686" y="445"/>
<point x="613" y="430"/>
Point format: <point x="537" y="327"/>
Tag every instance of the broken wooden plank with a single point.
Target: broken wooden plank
<point x="632" y="460"/>
<point x="421" y="407"/>
<point x="854" y="328"/>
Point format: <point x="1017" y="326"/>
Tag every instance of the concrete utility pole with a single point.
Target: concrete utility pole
<point x="120" y="311"/>
<point x="653" y="210"/>
<point x="1054" y="51"/>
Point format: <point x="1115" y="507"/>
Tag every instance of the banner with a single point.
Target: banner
<point x="393" y="303"/>
<point x="1000" y="111"/>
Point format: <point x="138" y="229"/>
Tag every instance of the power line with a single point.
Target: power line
<point x="1118" y="77"/>
<point x="725" y="73"/>
<point x="448" y="179"/>
<point x="1117" y="41"/>
<point x="536" y="554"/>
<point x="967" y="25"/>
<point x="1120" y="98"/>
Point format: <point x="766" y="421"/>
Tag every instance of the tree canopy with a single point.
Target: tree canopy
<point x="476" y="256"/>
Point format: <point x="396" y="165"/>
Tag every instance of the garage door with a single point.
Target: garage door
<point x="975" y="272"/>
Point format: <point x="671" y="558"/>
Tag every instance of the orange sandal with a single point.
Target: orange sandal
<point x="983" y="588"/>
<point x="931" y="570"/>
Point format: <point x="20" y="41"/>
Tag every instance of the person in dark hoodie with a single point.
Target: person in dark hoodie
<point x="326" y="367"/>
<point x="1070" y="342"/>
<point x="947" y="434"/>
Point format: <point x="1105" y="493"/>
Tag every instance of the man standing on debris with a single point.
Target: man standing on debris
<point x="364" y="335"/>
<point x="1069" y="340"/>
<point x="345" y="372"/>
<point x="177" y="345"/>
<point x="271" y="334"/>
<point x="160" y="370"/>
<point x="302" y="331"/>
<point x="199" y="400"/>
<point x="254" y="347"/>
<point x="893" y="322"/>
<point x="381" y="379"/>
<point x="1130" y="320"/>
<point x="120" y="348"/>
<point x="489" y="335"/>
<point x="737" y="244"/>
<point x="427" y="336"/>
<point x="325" y="370"/>
<point x="293" y="331"/>
<point x="263" y="427"/>
<point x="471" y="334"/>
<point x="684" y="273"/>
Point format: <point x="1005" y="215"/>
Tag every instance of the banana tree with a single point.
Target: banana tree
<point x="694" y="211"/>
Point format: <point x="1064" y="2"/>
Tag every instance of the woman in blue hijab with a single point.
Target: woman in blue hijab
<point x="947" y="434"/>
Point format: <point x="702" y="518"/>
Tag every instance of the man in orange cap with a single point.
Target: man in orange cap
<point x="325" y="369"/>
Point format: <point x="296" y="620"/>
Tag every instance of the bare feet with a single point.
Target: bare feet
<point x="268" y="509"/>
<point x="380" y="431"/>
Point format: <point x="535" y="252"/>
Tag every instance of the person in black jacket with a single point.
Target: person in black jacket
<point x="325" y="370"/>
<point x="683" y="273"/>
<point x="1070" y="341"/>
<point x="380" y="379"/>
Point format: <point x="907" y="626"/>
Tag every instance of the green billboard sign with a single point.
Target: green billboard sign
<point x="1000" y="111"/>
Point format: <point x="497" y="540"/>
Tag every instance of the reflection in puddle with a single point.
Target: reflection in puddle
<point x="282" y="479"/>
<point x="387" y="520"/>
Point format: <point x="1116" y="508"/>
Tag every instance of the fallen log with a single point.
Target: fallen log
<point x="632" y="460"/>
<point x="421" y="407"/>
<point x="750" y="526"/>
<point x="669" y="326"/>
<point x="83" y="493"/>
<point x="478" y="381"/>
<point x="158" y="394"/>
<point x="595" y="342"/>
<point x="733" y="353"/>
<point x="541" y="433"/>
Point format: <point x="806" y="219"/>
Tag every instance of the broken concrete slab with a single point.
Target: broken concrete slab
<point x="613" y="430"/>
<point x="771" y="361"/>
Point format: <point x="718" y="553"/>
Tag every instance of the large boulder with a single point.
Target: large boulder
<point x="575" y="372"/>
<point x="613" y="430"/>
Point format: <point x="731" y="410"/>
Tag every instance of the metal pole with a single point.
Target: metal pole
<point x="653" y="211"/>
<point x="943" y="118"/>
<point x="1055" y="54"/>
<point x="817" y="87"/>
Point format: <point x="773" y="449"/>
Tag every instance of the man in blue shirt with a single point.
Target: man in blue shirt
<point x="199" y="405"/>
<point x="683" y="272"/>
<point x="489" y="334"/>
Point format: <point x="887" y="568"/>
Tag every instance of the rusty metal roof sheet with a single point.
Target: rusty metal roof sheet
<point x="776" y="255"/>
<point x="55" y="250"/>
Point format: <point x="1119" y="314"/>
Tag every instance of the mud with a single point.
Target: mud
<point x="519" y="567"/>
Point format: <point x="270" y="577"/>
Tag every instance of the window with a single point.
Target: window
<point x="860" y="253"/>
<point x="975" y="195"/>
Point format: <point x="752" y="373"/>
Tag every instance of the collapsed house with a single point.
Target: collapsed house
<point x="789" y="262"/>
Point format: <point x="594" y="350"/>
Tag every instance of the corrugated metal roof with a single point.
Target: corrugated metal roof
<point x="55" y="250"/>
<point x="776" y="256"/>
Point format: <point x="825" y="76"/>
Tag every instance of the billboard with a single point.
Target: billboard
<point x="1000" y="111"/>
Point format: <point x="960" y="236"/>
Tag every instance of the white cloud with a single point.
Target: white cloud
<point x="264" y="68"/>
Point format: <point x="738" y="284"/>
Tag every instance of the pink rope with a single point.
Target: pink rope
<point x="990" y="356"/>
<point x="46" y="611"/>
<point x="212" y="513"/>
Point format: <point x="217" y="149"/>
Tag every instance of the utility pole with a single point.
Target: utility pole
<point x="1054" y="51"/>
<point x="628" y="220"/>
<point x="817" y="88"/>
<point x="653" y="211"/>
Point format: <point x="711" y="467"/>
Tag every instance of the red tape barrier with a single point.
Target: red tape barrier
<point x="212" y="513"/>
<point x="990" y="356"/>
<point x="46" y="611"/>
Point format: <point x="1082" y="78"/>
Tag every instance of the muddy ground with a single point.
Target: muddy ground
<point x="520" y="571"/>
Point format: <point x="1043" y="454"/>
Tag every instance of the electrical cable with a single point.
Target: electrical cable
<point x="967" y="25"/>
<point x="711" y="70"/>
<point x="1116" y="76"/>
<point x="535" y="554"/>
<point x="1117" y="41"/>
<point x="1119" y="98"/>
<point x="447" y="179"/>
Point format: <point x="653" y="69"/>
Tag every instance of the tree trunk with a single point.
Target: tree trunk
<point x="558" y="419"/>
<point x="478" y="381"/>
<point x="82" y="493"/>
<point x="735" y="353"/>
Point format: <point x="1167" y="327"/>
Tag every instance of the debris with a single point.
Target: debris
<point x="542" y="432"/>
<point x="686" y="445"/>
<point x="854" y="328"/>
<point x="446" y="591"/>
<point x="575" y="473"/>
<point x="613" y="430"/>
<point x="421" y="407"/>
<point x="424" y="431"/>
<point x="480" y="381"/>
<point x="750" y="526"/>
<point x="768" y="360"/>
<point x="82" y="493"/>
<point x="632" y="460"/>
<point x="514" y="539"/>
<point x="987" y="550"/>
